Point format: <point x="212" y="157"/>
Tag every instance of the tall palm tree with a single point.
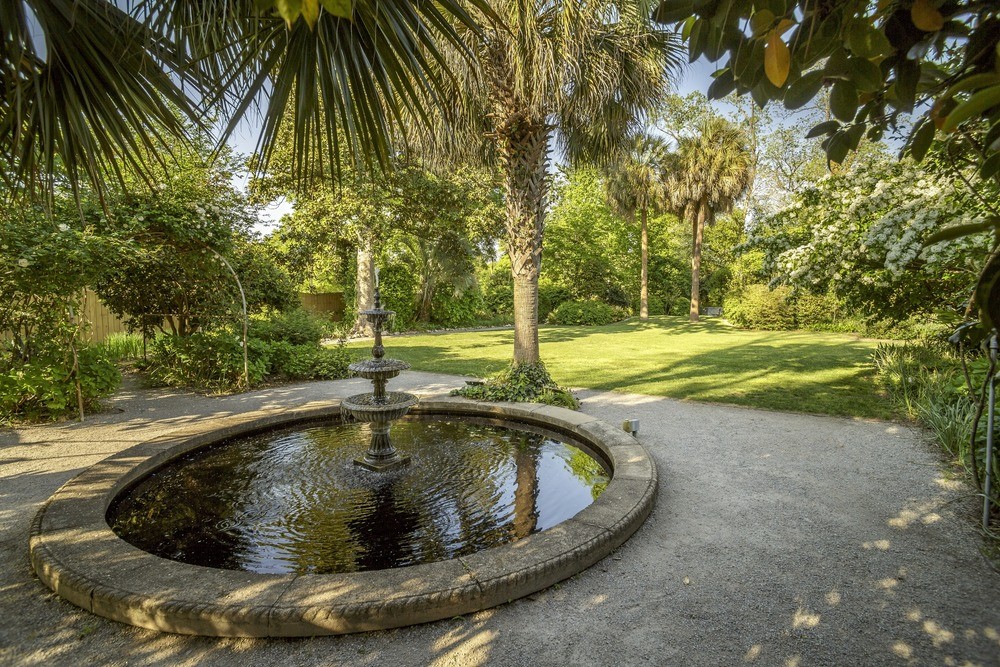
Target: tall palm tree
<point x="578" y="75"/>
<point x="635" y="183"/>
<point x="707" y="173"/>
<point x="88" y="86"/>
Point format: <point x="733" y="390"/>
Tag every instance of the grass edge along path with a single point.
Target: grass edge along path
<point x="794" y="371"/>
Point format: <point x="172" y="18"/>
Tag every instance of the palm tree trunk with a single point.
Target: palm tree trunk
<point x="525" y="158"/>
<point x="525" y="493"/>
<point x="698" y="232"/>
<point x="644" y="278"/>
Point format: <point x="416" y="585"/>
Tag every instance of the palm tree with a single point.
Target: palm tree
<point x="87" y="87"/>
<point x="707" y="173"/>
<point x="635" y="184"/>
<point x="579" y="75"/>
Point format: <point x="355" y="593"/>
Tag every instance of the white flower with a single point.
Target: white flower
<point x="64" y="228"/>
<point x="23" y="263"/>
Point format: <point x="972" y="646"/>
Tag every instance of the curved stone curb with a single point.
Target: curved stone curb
<point x="76" y="554"/>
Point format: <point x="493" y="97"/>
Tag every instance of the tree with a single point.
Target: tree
<point x="580" y="74"/>
<point x="191" y="257"/>
<point x="432" y="223"/>
<point x="90" y="86"/>
<point x="708" y="172"/>
<point x="862" y="235"/>
<point x="635" y="184"/>
<point x="881" y="62"/>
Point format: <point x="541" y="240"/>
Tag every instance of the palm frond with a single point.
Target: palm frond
<point x="85" y="89"/>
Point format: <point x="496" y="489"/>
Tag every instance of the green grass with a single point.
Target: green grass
<point x="668" y="356"/>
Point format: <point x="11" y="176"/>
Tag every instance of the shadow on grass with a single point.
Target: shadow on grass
<point x="707" y="361"/>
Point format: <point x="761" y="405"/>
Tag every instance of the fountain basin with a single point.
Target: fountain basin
<point x="372" y="369"/>
<point x="365" y="408"/>
<point x="74" y="551"/>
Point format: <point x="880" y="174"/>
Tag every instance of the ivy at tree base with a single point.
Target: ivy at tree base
<point x="521" y="383"/>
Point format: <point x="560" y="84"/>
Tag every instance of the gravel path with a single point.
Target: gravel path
<point x="778" y="539"/>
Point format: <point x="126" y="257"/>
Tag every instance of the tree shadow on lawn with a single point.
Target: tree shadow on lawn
<point x="676" y="326"/>
<point x="738" y="374"/>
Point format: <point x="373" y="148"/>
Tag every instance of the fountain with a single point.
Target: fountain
<point x="267" y="523"/>
<point x="379" y="408"/>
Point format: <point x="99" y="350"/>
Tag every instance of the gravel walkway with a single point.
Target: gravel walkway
<point x="778" y="539"/>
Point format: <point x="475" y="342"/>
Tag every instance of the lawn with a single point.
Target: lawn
<point x="668" y="356"/>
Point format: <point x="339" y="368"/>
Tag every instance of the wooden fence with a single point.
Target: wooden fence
<point x="330" y="304"/>
<point x="104" y="323"/>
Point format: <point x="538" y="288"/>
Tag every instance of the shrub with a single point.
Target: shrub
<point x="308" y="362"/>
<point x="550" y="297"/>
<point x="655" y="303"/>
<point x="45" y="387"/>
<point x="759" y="307"/>
<point x="816" y="312"/>
<point x="451" y="310"/>
<point x="398" y="285"/>
<point x="208" y="360"/>
<point x="521" y="383"/>
<point x="680" y="306"/>
<point x="297" y="327"/>
<point x="587" y="313"/>
<point x="498" y="292"/>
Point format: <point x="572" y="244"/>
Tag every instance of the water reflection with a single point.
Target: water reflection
<point x="293" y="501"/>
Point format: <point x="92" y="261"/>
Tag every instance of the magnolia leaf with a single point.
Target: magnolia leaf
<point x="844" y="101"/>
<point x="803" y="89"/>
<point x="972" y="107"/>
<point x="988" y="293"/>
<point x="784" y="25"/>
<point x="289" y="10"/>
<point x="761" y="21"/>
<point x="958" y="231"/>
<point x="921" y="140"/>
<point x="777" y="59"/>
<point x="973" y="82"/>
<point x="837" y="148"/>
<point x="926" y="16"/>
<point x="340" y="8"/>
<point x="823" y="128"/>
<point x="854" y="134"/>
<point x="724" y="84"/>
<point x="866" y="75"/>
<point x="670" y="11"/>
<point x="990" y="166"/>
<point x="310" y="12"/>
<point x="866" y="41"/>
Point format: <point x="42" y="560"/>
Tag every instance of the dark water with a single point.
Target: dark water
<point x="292" y="501"/>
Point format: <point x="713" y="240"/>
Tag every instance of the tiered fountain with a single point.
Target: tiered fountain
<point x="319" y="547"/>
<point x="379" y="408"/>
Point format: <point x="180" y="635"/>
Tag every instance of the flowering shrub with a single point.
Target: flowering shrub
<point x="45" y="262"/>
<point x="862" y="235"/>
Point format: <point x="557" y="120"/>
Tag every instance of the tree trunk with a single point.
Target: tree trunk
<point x="525" y="158"/>
<point x="525" y="493"/>
<point x="364" y="286"/>
<point x="644" y="273"/>
<point x="701" y="213"/>
<point x="521" y="138"/>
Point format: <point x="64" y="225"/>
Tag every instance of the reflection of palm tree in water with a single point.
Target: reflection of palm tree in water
<point x="383" y="533"/>
<point x="526" y="491"/>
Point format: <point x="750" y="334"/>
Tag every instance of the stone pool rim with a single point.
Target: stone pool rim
<point x="76" y="554"/>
